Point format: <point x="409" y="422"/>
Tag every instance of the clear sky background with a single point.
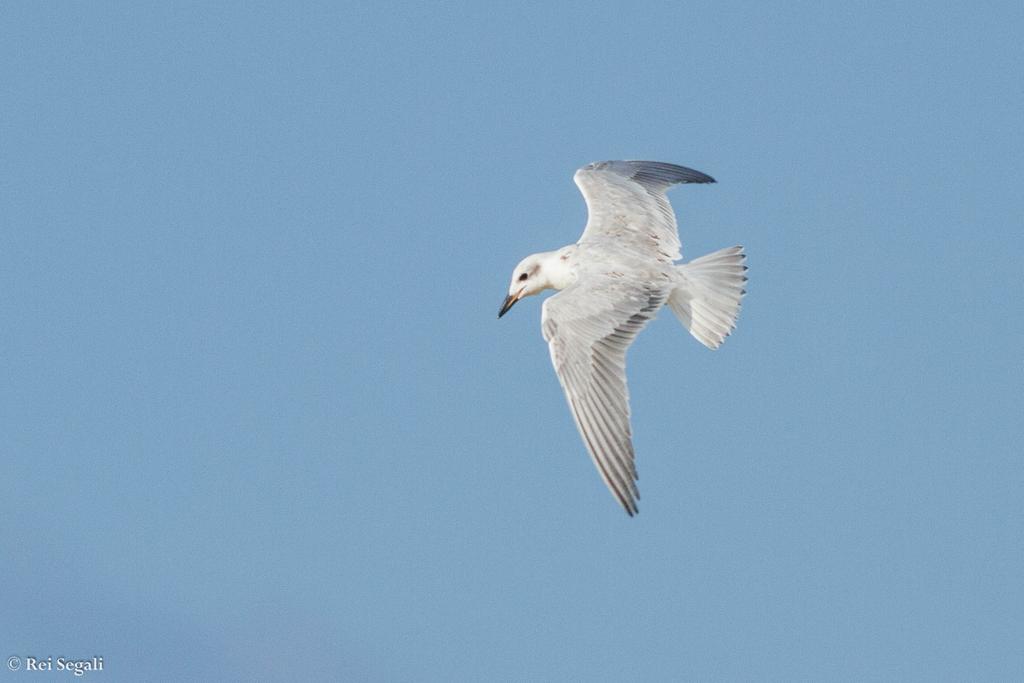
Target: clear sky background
<point x="259" y="419"/>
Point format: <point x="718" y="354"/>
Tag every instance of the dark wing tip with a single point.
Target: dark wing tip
<point x="666" y="174"/>
<point x="653" y="173"/>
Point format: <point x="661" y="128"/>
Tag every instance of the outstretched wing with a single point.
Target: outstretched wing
<point x="588" y="327"/>
<point x="626" y="200"/>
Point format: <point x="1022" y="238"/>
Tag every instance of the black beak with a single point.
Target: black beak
<point x="509" y="303"/>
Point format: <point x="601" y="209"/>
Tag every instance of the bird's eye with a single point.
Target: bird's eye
<point x="522" y="277"/>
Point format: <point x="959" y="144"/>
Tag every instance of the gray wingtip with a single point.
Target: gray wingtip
<point x="652" y="173"/>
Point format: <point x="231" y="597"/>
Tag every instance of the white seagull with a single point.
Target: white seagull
<point x="612" y="282"/>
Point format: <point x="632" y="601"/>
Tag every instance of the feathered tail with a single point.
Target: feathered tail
<point x="707" y="298"/>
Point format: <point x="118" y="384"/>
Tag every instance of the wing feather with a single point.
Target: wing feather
<point x="589" y="327"/>
<point x="626" y="201"/>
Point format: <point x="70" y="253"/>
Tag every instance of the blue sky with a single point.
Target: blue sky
<point x="259" y="419"/>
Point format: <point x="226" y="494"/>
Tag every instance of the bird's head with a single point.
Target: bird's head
<point x="528" y="279"/>
<point x="537" y="272"/>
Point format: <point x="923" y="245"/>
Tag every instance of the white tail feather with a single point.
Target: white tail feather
<point x="707" y="298"/>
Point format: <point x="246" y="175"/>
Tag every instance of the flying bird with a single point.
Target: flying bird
<point x="612" y="282"/>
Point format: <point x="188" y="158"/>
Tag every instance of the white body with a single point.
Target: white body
<point x="613" y="281"/>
